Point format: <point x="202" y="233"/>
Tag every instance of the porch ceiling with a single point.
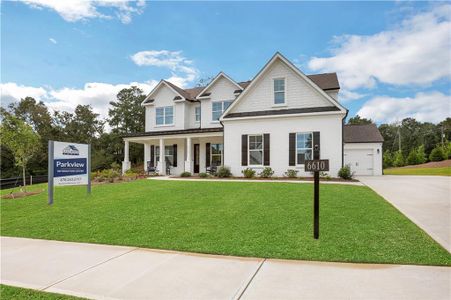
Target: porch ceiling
<point x="174" y="134"/>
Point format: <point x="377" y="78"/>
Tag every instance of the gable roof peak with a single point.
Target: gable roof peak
<point x="212" y="82"/>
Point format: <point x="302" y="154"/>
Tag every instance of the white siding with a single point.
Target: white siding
<point x="299" y="93"/>
<point x="329" y="126"/>
<point x="371" y="148"/>
<point x="221" y="90"/>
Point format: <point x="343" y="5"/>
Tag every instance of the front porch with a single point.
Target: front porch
<point x="176" y="151"/>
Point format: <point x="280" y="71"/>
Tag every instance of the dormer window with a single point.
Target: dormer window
<point x="164" y="115"/>
<point x="279" y="91"/>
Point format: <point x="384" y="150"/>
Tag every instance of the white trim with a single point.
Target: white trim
<point x="284" y="92"/>
<point x="142" y="139"/>
<point x="213" y="81"/>
<point x="285" y="116"/>
<point x="249" y="151"/>
<point x="156" y="88"/>
<point x="296" y="70"/>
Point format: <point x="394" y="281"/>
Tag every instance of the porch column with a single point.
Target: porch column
<point x="162" y="162"/>
<point x="126" y="162"/>
<point x="188" y="161"/>
<point x="146" y="156"/>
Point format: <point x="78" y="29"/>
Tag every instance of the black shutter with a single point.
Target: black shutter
<point x="266" y="153"/>
<point x="152" y="156"/>
<point x="316" y="141"/>
<point x="175" y="154"/>
<point x="244" y="150"/>
<point x="292" y="149"/>
<point x="207" y="155"/>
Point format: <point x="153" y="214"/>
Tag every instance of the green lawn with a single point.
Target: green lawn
<point x="233" y="218"/>
<point x="445" y="171"/>
<point x="9" y="293"/>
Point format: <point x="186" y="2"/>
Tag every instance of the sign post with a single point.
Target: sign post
<point x="69" y="164"/>
<point x="316" y="165"/>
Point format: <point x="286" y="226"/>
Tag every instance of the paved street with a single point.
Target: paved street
<point x="112" y="272"/>
<point x="426" y="200"/>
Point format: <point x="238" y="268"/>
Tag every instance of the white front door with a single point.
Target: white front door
<point x="360" y="160"/>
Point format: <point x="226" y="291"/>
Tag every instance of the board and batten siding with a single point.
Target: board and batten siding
<point x="371" y="147"/>
<point x="330" y="127"/>
<point x="299" y="93"/>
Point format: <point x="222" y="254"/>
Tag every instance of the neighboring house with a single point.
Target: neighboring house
<point x="273" y="120"/>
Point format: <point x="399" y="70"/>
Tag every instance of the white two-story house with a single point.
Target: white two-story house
<point x="271" y="121"/>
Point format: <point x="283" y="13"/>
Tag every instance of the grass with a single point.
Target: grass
<point x="445" y="171"/>
<point x="9" y="293"/>
<point x="232" y="218"/>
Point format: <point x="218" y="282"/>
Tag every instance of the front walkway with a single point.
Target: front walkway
<point x="426" y="200"/>
<point x="112" y="272"/>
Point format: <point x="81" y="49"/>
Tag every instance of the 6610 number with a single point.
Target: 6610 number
<point x="317" y="165"/>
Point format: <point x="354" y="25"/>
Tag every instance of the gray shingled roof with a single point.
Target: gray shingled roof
<point x="362" y="134"/>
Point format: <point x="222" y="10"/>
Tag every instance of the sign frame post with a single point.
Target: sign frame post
<point x="89" y="170"/>
<point x="50" y="173"/>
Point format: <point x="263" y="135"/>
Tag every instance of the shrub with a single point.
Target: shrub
<point x="291" y="173"/>
<point x="421" y="155"/>
<point x="345" y="172"/>
<point x="266" y="173"/>
<point x="185" y="174"/>
<point x="115" y="166"/>
<point x="437" y="154"/>
<point x="412" y="158"/>
<point x="130" y="174"/>
<point x="398" y="160"/>
<point x="109" y="175"/>
<point x="325" y="176"/>
<point x="203" y="175"/>
<point x="448" y="150"/>
<point x="387" y="159"/>
<point x="248" y="173"/>
<point x="223" y="172"/>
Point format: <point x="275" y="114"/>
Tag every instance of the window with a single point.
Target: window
<point x="168" y="154"/>
<point x="165" y="115"/>
<point x="279" y="91"/>
<point x="197" y="113"/>
<point x="304" y="147"/>
<point x="218" y="108"/>
<point x="256" y="150"/>
<point x="216" y="154"/>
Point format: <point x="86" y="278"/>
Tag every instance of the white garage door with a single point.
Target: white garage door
<point x="360" y="160"/>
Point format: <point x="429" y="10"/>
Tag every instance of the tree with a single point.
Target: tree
<point x="412" y="158"/>
<point x="127" y="114"/>
<point x="387" y="159"/>
<point x="21" y="140"/>
<point x="421" y="155"/>
<point x="438" y="154"/>
<point x="357" y="120"/>
<point x="398" y="160"/>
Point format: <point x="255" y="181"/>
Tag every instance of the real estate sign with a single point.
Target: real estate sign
<point x="69" y="164"/>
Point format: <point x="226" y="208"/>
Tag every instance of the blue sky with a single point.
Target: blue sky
<point x="392" y="58"/>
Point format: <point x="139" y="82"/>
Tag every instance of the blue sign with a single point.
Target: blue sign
<point x="69" y="167"/>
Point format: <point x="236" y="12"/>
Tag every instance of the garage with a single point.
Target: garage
<point x="363" y="149"/>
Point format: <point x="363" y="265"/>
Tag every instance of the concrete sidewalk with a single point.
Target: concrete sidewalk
<point x="112" y="272"/>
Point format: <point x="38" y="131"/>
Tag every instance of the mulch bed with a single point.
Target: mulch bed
<point x="432" y="164"/>
<point x="272" y="179"/>
<point x="17" y="195"/>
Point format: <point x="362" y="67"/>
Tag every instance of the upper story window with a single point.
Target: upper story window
<point x="304" y="147"/>
<point x="256" y="150"/>
<point x="197" y="113"/>
<point x="218" y="109"/>
<point x="164" y="115"/>
<point x="279" y="91"/>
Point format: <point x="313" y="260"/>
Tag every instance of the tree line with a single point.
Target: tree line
<point x="31" y="122"/>
<point x="410" y="142"/>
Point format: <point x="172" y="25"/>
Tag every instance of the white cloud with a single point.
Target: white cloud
<point x="347" y="95"/>
<point x="52" y="40"/>
<point x="425" y="107"/>
<point x="96" y="94"/>
<point x="414" y="52"/>
<point x="183" y="71"/>
<point x="79" y="10"/>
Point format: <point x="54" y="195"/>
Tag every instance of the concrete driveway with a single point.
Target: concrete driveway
<point x="112" y="272"/>
<point x="426" y="200"/>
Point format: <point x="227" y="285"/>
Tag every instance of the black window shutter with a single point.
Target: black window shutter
<point x="292" y="149"/>
<point x="175" y="155"/>
<point x="152" y="156"/>
<point x="266" y="153"/>
<point x="207" y="155"/>
<point x="316" y="141"/>
<point x="244" y="150"/>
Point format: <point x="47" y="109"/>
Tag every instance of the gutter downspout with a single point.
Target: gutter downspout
<point x="223" y="143"/>
<point x="342" y="139"/>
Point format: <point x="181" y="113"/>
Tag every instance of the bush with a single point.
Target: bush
<point x="421" y="155"/>
<point x="398" y="160"/>
<point x="203" y="175"/>
<point x="448" y="150"/>
<point x="130" y="174"/>
<point x="291" y="173"/>
<point x="437" y="154"/>
<point x="115" y="166"/>
<point x="324" y="175"/>
<point x="412" y="158"/>
<point x="108" y="175"/>
<point x="387" y="159"/>
<point x="266" y="173"/>
<point x="345" y="172"/>
<point x="185" y="174"/>
<point x="248" y="173"/>
<point x="223" y="172"/>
